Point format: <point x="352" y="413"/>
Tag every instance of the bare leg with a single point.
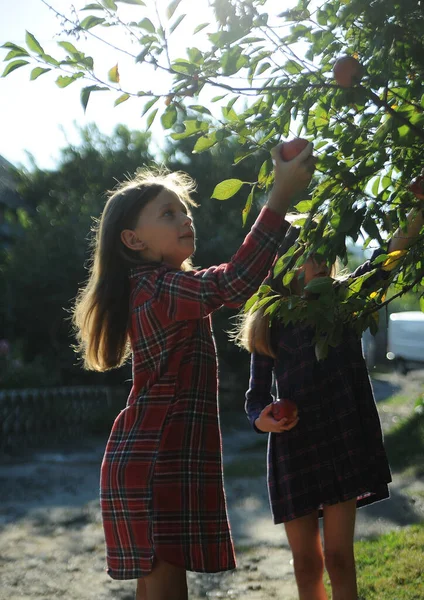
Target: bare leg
<point x="165" y="582"/>
<point x="305" y="542"/>
<point x="141" y="593"/>
<point x="339" y="528"/>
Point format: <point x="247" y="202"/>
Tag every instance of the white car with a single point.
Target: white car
<point x="405" y="343"/>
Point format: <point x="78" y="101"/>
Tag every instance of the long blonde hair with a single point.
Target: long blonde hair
<point x="101" y="311"/>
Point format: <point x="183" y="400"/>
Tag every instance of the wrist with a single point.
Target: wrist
<point x="279" y="202"/>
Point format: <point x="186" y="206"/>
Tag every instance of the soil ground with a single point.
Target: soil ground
<point x="51" y="539"/>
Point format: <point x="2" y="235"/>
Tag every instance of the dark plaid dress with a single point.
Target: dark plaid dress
<point x="162" y="489"/>
<point x="335" y="452"/>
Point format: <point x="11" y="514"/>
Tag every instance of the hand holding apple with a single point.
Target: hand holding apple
<point x="268" y="423"/>
<point x="284" y="408"/>
<point x="291" y="175"/>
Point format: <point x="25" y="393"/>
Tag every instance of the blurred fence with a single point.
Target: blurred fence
<point x="38" y="417"/>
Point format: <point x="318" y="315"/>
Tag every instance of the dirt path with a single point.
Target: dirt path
<point x="52" y="545"/>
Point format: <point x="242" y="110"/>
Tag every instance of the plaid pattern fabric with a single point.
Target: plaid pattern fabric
<point x="162" y="489"/>
<point x="336" y="451"/>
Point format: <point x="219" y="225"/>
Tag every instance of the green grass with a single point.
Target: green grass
<point x="391" y="567"/>
<point x="396" y="400"/>
<point x="405" y="444"/>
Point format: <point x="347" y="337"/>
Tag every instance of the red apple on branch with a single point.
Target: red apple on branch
<point x="291" y="149"/>
<point x="347" y="71"/>
<point x="284" y="408"/>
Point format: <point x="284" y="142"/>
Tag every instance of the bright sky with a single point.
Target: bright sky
<point x="37" y="116"/>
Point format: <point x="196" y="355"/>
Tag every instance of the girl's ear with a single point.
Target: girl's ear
<point x="130" y="240"/>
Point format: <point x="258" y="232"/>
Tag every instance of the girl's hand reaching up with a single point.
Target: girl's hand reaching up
<point x="266" y="422"/>
<point x="290" y="177"/>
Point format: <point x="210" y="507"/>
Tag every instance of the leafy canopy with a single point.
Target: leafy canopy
<point x="273" y="79"/>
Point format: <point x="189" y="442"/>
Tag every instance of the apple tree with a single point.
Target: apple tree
<point x="256" y="74"/>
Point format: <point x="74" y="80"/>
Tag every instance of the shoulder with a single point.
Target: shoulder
<point x="143" y="280"/>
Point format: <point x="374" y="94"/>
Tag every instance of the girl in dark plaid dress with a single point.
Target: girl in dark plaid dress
<point x="162" y="496"/>
<point x="329" y="459"/>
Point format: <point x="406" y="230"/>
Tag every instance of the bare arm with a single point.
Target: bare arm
<point x="401" y="240"/>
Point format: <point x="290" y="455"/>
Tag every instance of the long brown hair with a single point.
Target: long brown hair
<point x="101" y="310"/>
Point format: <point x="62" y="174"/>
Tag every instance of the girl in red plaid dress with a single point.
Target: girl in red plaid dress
<point x="162" y="497"/>
<point x="329" y="459"/>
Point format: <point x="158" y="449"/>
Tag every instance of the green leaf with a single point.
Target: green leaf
<point x="263" y="302"/>
<point x="69" y="48"/>
<point x="422" y="303"/>
<point x="96" y="6"/>
<point x="15" y="54"/>
<point x="177" y="22"/>
<point x="16" y="64"/>
<point x="247" y="206"/>
<point x="227" y="189"/>
<point x="37" y="72"/>
<point x="113" y="74"/>
<point x="138" y="2"/>
<point x="320" y="285"/>
<point x="32" y="43"/>
<point x="380" y="259"/>
<point x="64" y="80"/>
<point x="147" y="25"/>
<point x="172" y="8"/>
<point x="110" y="4"/>
<point x="304" y="206"/>
<point x="13" y="46"/>
<point x="252" y="300"/>
<point x="200" y="27"/>
<point x="204" y="143"/>
<point x="148" y="106"/>
<point x="151" y="118"/>
<point x="199" y="108"/>
<point x="169" y="117"/>
<point x="90" y="22"/>
<point x="192" y="127"/>
<point x="121" y="99"/>
<point x="86" y="92"/>
<point x="288" y="277"/>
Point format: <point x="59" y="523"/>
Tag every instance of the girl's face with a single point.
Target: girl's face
<point x="314" y="267"/>
<point x="164" y="231"/>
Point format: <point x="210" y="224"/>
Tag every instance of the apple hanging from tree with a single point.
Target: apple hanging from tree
<point x="291" y="149"/>
<point x="347" y="71"/>
<point x="284" y="408"/>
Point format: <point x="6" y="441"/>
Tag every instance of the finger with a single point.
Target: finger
<point x="276" y="153"/>
<point x="267" y="409"/>
<point x="311" y="162"/>
<point x="291" y="425"/>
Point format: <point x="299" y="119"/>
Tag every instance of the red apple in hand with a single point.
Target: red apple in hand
<point x="284" y="408"/>
<point x="291" y="149"/>
<point x="417" y="187"/>
<point x="347" y="71"/>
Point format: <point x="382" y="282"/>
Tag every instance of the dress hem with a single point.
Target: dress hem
<point x="364" y="498"/>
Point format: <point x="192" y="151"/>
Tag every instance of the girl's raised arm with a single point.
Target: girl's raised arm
<point x="401" y="240"/>
<point x="194" y="294"/>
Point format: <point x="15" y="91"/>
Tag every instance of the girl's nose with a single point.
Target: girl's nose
<point x="187" y="220"/>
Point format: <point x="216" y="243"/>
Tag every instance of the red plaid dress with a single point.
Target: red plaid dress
<point x="162" y="489"/>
